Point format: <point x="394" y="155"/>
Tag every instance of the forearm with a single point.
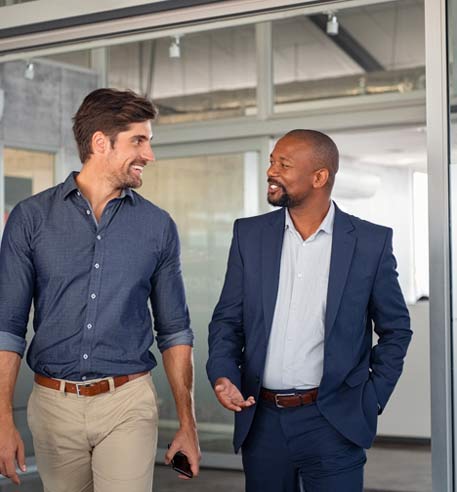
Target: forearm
<point x="178" y="364"/>
<point x="9" y="368"/>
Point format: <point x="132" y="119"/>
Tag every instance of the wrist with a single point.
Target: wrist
<point x="188" y="424"/>
<point x="6" y="415"/>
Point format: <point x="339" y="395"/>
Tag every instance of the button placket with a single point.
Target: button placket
<point x="92" y="305"/>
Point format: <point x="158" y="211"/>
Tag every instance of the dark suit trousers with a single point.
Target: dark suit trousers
<point x="286" y="446"/>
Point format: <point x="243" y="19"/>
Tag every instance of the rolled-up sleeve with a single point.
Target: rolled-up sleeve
<point x="16" y="282"/>
<point x="168" y="299"/>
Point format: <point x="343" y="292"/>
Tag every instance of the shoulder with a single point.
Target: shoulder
<point x="37" y="204"/>
<point x="151" y="210"/>
<point x="364" y="227"/>
<point x="259" y="221"/>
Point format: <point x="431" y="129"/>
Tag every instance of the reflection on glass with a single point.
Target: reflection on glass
<point x="204" y="195"/>
<point x="198" y="76"/>
<point x="367" y="50"/>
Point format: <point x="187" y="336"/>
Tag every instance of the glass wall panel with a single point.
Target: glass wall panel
<point x="199" y="76"/>
<point x="25" y="173"/>
<point x="376" y="49"/>
<point x="452" y="46"/>
<point x="78" y="58"/>
<point x="204" y="195"/>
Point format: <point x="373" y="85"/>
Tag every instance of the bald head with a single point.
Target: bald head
<point x="325" y="151"/>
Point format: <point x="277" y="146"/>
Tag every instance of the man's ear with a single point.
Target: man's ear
<point x="320" y="177"/>
<point x="100" y="143"/>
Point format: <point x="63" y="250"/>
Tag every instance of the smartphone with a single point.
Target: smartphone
<point x="181" y="464"/>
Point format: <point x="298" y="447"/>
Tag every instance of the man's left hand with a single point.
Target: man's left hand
<point x="186" y="441"/>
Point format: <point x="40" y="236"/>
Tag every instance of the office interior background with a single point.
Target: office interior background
<point x="229" y="78"/>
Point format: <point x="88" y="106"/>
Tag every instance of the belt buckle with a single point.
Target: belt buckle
<point x="84" y="385"/>
<point x="278" y="405"/>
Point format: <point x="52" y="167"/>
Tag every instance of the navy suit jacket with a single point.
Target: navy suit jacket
<point x="363" y="294"/>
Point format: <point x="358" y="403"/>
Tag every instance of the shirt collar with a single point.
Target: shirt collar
<point x="326" y="225"/>
<point x="70" y="186"/>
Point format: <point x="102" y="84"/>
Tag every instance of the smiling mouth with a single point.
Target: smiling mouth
<point x="138" y="169"/>
<point x="274" y="187"/>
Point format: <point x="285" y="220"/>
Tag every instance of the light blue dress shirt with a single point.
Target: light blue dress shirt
<point x="295" y="353"/>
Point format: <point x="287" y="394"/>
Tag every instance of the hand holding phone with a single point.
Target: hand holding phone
<point x="181" y="464"/>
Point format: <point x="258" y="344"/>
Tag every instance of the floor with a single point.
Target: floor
<point x="390" y="468"/>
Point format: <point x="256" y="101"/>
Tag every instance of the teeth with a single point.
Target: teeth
<point x="138" y="168"/>
<point x="274" y="187"/>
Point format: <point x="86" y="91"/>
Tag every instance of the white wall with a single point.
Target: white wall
<point x="390" y="205"/>
<point x="408" y="411"/>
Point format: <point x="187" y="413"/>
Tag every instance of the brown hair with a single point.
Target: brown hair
<point x="110" y="111"/>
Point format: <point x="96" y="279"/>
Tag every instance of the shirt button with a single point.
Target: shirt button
<point x="84" y="378"/>
<point x="89" y="326"/>
<point x="99" y="237"/>
<point x="88" y="212"/>
<point x="78" y="193"/>
<point x="93" y="296"/>
<point x="300" y="275"/>
<point x="85" y="356"/>
<point x="97" y="265"/>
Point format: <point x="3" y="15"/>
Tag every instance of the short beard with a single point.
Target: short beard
<point x="283" y="201"/>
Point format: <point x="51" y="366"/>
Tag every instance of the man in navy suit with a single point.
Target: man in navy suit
<point x="290" y="341"/>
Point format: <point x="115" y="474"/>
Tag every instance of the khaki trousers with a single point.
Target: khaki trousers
<point x="104" y="443"/>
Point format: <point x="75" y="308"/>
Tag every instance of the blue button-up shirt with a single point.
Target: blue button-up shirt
<point x="90" y="283"/>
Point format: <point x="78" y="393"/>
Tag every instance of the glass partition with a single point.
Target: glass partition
<point x="25" y="173"/>
<point x="204" y="195"/>
<point x="353" y="52"/>
<point x="199" y="76"/>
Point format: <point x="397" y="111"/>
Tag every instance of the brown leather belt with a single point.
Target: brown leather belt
<point x="289" y="400"/>
<point x="86" y="389"/>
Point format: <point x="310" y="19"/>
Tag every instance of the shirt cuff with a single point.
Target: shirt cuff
<point x="12" y="343"/>
<point x="184" y="337"/>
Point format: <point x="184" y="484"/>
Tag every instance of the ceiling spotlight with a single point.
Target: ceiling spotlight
<point x="174" y="50"/>
<point x="29" y="72"/>
<point x="332" y="24"/>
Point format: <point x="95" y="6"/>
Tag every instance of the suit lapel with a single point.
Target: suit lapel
<point x="272" y="239"/>
<point x="343" y="244"/>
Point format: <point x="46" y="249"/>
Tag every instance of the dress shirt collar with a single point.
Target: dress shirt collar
<point x="325" y="226"/>
<point x="70" y="186"/>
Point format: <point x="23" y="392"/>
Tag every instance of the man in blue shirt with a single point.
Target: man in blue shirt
<point x="90" y="253"/>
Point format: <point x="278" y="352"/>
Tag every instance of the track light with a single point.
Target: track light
<point x="29" y="72"/>
<point x="174" y="51"/>
<point x="332" y="24"/>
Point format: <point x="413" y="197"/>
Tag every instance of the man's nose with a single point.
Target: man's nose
<point x="272" y="171"/>
<point x="148" y="154"/>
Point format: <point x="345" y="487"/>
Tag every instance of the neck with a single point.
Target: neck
<point x="308" y="217"/>
<point x="95" y="186"/>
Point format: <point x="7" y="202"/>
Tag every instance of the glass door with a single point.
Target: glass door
<point x="204" y="194"/>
